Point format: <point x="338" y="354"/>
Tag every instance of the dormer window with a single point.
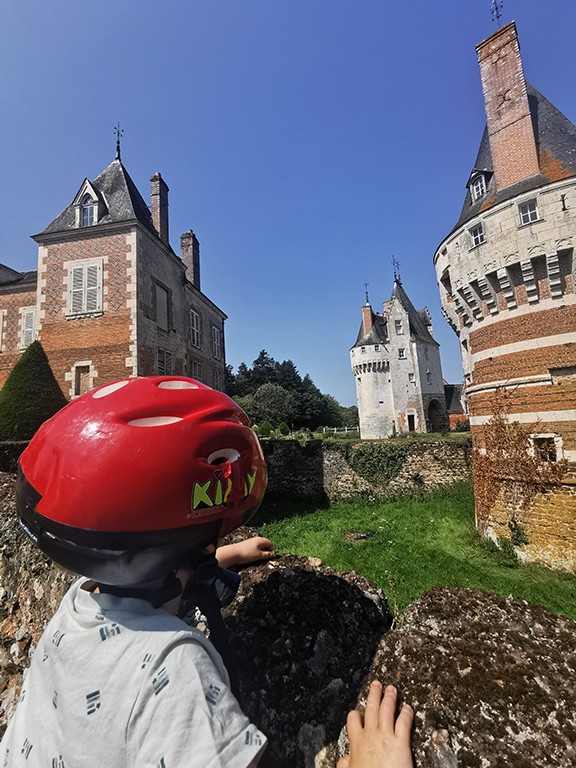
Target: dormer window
<point x="87" y="211"/>
<point x="478" y="187"/>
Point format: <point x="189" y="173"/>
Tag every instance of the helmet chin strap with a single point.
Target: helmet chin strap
<point x="210" y="588"/>
<point x="157" y="596"/>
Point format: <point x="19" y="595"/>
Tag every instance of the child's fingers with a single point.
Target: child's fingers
<point x="388" y="709"/>
<point x="371" y="713"/>
<point x="354" y="725"/>
<point x="404" y="721"/>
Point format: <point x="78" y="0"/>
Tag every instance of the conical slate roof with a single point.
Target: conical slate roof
<point x="556" y="145"/>
<point x="418" y="327"/>
<point x="378" y="334"/>
<point x="118" y="194"/>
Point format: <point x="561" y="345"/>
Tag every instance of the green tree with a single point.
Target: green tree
<point x="274" y="403"/>
<point x="263" y="370"/>
<point x="30" y="396"/>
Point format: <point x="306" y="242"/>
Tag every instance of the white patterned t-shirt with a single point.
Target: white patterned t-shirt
<point x="115" y="683"/>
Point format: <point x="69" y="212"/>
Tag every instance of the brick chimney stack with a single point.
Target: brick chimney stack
<point x="159" y="202"/>
<point x="190" y="255"/>
<point x="510" y="128"/>
<point x="366" y="319"/>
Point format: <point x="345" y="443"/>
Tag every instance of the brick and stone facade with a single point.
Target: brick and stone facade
<point x="396" y="364"/>
<point x="506" y="274"/>
<point x="111" y="298"/>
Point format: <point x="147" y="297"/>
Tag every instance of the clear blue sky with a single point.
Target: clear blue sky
<point x="305" y="142"/>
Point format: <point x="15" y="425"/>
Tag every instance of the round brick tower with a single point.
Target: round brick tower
<point x="506" y="274"/>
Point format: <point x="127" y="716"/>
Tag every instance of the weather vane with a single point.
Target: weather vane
<point x="366" y="289"/>
<point x="496" y="10"/>
<point x="119" y="133"/>
<point x="396" y="265"/>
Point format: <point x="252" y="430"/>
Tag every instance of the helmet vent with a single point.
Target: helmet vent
<point x="154" y="421"/>
<point x="223" y="455"/>
<point x="105" y="391"/>
<point x="177" y="384"/>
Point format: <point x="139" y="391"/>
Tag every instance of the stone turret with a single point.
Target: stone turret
<point x="396" y="364"/>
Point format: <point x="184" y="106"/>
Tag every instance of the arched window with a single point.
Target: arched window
<point x="87" y="211"/>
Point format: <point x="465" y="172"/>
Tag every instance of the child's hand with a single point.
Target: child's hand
<point x="251" y="550"/>
<point x="376" y="741"/>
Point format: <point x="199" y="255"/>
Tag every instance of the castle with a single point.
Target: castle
<point x="396" y="364"/>
<point x="506" y="275"/>
<point x="110" y="297"/>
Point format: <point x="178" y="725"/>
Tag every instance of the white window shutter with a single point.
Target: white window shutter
<point x="77" y="290"/>
<point x="28" y="326"/>
<point x="92" y="288"/>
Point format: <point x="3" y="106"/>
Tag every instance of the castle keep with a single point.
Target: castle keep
<point x="506" y="275"/>
<point x="110" y="298"/>
<point x="396" y="364"/>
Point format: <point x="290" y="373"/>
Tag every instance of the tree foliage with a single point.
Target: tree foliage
<point x="30" y="396"/>
<point x="276" y="392"/>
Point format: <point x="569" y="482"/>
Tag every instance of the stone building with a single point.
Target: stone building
<point x="111" y="298"/>
<point x="396" y="364"/>
<point x="506" y="275"/>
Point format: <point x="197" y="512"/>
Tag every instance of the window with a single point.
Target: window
<point x="2" y="315"/>
<point x="363" y="350"/>
<point x="28" y="328"/>
<point x="195" y="329"/>
<point x="477" y="235"/>
<point x="426" y="352"/>
<point x="412" y="378"/>
<point x="196" y="370"/>
<point x="162" y="299"/>
<point x="216" y="343"/>
<point x="528" y="212"/>
<point x="428" y="377"/>
<point x="218" y="379"/>
<point x="478" y="187"/>
<point x="87" y="211"/>
<point x="545" y="448"/>
<point x="402" y="353"/>
<point x="376" y="347"/>
<point x="398" y="326"/>
<point x="81" y="379"/>
<point x="411" y="422"/>
<point x="164" y="362"/>
<point x="84" y="288"/>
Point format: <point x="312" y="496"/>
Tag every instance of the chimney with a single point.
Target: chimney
<point x="510" y="128"/>
<point x="159" y="201"/>
<point x="366" y="319"/>
<point x="190" y="255"/>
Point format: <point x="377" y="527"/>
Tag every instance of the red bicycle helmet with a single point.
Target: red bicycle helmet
<point x="126" y="482"/>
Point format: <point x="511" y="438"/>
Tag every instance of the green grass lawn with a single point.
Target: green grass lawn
<point x="413" y="544"/>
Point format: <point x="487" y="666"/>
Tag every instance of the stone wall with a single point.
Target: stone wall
<point x="323" y="471"/>
<point x="545" y="532"/>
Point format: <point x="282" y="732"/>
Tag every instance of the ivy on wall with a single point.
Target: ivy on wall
<point x="377" y="462"/>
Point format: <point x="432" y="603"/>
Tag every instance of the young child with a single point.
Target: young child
<point x="132" y="485"/>
<point x="128" y="485"/>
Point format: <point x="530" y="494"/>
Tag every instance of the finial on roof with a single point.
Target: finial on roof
<point x="496" y="10"/>
<point x="396" y="265"/>
<point x="119" y="133"/>
<point x="366" y="289"/>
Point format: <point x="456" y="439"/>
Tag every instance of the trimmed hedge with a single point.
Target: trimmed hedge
<point x="30" y="396"/>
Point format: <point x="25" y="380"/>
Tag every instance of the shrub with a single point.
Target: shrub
<point x="283" y="428"/>
<point x="265" y="429"/>
<point x="30" y="396"/>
